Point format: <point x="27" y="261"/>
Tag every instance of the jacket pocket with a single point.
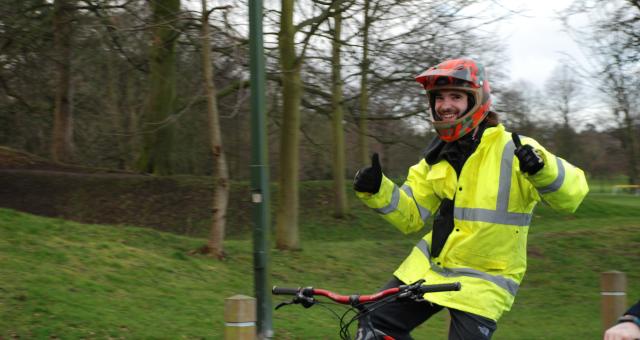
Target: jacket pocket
<point x="438" y="171"/>
<point x="476" y="261"/>
<point x="442" y="180"/>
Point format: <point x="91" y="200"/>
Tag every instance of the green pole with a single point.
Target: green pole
<point x="259" y="173"/>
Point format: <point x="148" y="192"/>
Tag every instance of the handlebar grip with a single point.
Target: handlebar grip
<point x="443" y="287"/>
<point x="284" y="290"/>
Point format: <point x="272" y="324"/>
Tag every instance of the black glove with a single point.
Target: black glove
<point x="530" y="161"/>
<point x="368" y="179"/>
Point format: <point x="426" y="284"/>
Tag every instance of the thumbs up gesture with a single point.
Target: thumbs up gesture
<point x="368" y="179"/>
<point x="530" y="161"/>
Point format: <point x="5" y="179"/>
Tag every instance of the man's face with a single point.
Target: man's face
<point x="450" y="104"/>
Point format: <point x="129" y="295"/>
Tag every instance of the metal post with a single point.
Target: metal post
<point x="259" y="172"/>
<point x="614" y="297"/>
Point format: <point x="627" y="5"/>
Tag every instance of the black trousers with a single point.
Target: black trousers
<point x="399" y="318"/>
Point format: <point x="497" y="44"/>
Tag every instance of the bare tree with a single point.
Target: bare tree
<point x="339" y="166"/>
<point x="562" y="93"/>
<point x="287" y="234"/>
<point x="612" y="44"/>
<point x="562" y="100"/>
<point x="155" y="156"/>
<point x="517" y="108"/>
<point x="287" y="214"/>
<point x="62" y="139"/>
<point x="220" y="169"/>
<point x="363" y="101"/>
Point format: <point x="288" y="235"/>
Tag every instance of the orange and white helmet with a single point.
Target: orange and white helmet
<point x="462" y="75"/>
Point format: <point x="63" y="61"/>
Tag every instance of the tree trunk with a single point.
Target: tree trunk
<point x="287" y="214"/>
<point x="363" y="145"/>
<point x="157" y="144"/>
<point x="132" y="140"/>
<point x="631" y="147"/>
<point x="220" y="169"/>
<point x="62" y="137"/>
<point x="340" y="195"/>
<point x="623" y="103"/>
<point x="113" y="110"/>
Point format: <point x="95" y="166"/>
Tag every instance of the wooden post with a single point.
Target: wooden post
<point x="240" y="318"/>
<point x="613" y="286"/>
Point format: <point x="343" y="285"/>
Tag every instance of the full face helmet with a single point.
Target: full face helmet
<point x="462" y="75"/>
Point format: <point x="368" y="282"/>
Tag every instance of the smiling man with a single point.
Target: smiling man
<point x="481" y="184"/>
<point x="449" y="104"/>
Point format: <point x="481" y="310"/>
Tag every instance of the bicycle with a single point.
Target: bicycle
<point x="360" y="305"/>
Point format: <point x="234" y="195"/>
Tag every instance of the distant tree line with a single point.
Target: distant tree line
<point x="161" y="87"/>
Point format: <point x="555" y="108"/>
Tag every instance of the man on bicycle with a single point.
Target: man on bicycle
<point x="482" y="184"/>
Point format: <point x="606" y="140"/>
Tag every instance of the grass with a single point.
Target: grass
<point x="70" y="280"/>
<point x="606" y="185"/>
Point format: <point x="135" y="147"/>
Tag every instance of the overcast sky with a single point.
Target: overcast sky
<point x="536" y="39"/>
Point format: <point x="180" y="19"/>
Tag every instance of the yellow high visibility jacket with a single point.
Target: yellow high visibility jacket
<point x="493" y="205"/>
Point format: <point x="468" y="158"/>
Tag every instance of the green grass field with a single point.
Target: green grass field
<point x="60" y="279"/>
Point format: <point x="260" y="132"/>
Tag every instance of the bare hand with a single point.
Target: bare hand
<point x="623" y="331"/>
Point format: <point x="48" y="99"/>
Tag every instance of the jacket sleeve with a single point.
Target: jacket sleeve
<point x="407" y="207"/>
<point x="560" y="184"/>
<point x="634" y="310"/>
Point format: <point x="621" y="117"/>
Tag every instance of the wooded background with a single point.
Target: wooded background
<point x="146" y="86"/>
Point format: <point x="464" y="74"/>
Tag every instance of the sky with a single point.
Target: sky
<point x="536" y="39"/>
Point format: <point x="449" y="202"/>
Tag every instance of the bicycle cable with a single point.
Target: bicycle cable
<point x="360" y="313"/>
<point x="343" y="335"/>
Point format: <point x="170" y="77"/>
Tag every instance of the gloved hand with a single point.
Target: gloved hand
<point x="530" y="161"/>
<point x="368" y="179"/>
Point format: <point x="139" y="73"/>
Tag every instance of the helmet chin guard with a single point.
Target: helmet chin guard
<point x="461" y="75"/>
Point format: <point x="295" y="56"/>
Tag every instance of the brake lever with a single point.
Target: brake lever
<point x="282" y="304"/>
<point x="410" y="291"/>
<point x="305" y="301"/>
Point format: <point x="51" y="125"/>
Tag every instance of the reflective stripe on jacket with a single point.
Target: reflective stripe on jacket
<point x="493" y="205"/>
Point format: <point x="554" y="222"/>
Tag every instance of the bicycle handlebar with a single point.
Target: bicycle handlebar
<point x="417" y="289"/>
<point x="343" y="299"/>
<point x="361" y="304"/>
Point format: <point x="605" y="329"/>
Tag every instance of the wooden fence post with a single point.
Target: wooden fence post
<point x="613" y="286"/>
<point x="240" y="318"/>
